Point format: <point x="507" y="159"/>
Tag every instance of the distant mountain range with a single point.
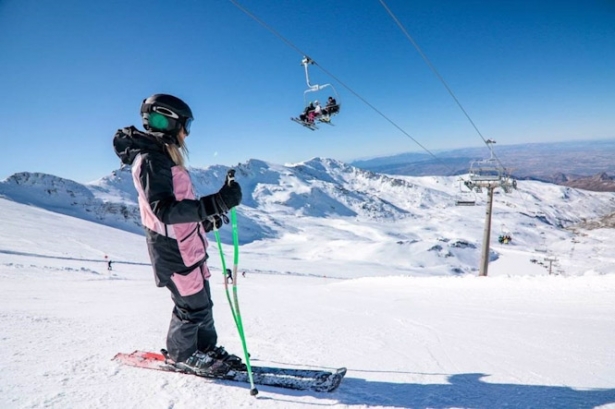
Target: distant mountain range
<point x="317" y="188"/>
<point x="600" y="182"/>
<point x="579" y="164"/>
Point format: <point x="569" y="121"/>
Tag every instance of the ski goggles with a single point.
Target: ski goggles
<point x="187" y="125"/>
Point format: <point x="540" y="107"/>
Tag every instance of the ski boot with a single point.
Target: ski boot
<point x="204" y="364"/>
<point x="233" y="360"/>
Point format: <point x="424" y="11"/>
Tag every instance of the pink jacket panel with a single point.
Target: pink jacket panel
<point x="192" y="243"/>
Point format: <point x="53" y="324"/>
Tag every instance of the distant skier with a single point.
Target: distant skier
<point x="243" y="274"/>
<point x="174" y="220"/>
<point x="109" y="268"/>
<point x="229" y="276"/>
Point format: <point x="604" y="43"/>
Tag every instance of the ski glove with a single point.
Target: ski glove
<point x="231" y="194"/>
<point x="220" y="203"/>
<point x="214" y="221"/>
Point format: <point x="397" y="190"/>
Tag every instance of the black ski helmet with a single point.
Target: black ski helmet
<point x="166" y="113"/>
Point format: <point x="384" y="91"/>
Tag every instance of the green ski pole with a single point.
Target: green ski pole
<point x="234" y="303"/>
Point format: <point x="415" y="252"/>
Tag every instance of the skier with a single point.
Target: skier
<point x="229" y="276"/>
<point x="174" y="220"/>
<point x="109" y="268"/>
<point x="307" y="111"/>
<point x="315" y="113"/>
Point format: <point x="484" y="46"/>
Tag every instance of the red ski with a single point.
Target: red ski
<point x="290" y="378"/>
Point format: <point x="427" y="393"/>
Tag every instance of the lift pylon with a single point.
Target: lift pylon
<point x="489" y="175"/>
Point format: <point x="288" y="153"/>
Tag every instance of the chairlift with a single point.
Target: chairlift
<point x="486" y="170"/>
<point x="505" y="237"/>
<point x="328" y="110"/>
<point x="465" y="197"/>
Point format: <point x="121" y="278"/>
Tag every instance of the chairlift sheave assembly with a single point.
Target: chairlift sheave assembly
<point x="313" y="113"/>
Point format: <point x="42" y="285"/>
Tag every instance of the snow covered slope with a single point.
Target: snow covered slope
<point x="528" y="340"/>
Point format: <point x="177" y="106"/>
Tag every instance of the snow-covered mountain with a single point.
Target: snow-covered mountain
<point x="109" y="206"/>
<point x="336" y="196"/>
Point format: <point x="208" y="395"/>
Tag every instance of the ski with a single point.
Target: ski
<point x="289" y="378"/>
<point x="325" y="120"/>
<point x="310" y="125"/>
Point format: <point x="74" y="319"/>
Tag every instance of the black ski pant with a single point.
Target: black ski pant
<point x="192" y="323"/>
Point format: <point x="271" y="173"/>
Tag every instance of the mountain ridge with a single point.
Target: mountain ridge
<point x="572" y="163"/>
<point x="336" y="196"/>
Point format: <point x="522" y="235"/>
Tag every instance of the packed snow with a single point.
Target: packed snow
<point x="390" y="299"/>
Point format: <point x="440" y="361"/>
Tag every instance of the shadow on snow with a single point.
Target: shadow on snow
<point x="462" y="391"/>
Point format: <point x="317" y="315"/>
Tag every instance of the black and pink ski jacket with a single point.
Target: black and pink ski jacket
<point x="170" y="211"/>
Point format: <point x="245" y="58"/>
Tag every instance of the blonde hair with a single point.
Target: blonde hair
<point x="179" y="153"/>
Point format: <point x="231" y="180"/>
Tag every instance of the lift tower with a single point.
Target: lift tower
<point x="488" y="174"/>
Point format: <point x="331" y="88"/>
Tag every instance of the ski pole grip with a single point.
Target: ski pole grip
<point x="230" y="176"/>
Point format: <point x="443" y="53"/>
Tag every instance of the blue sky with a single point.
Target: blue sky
<point x="74" y="71"/>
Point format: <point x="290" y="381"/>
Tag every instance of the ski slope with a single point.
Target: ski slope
<point x="511" y="340"/>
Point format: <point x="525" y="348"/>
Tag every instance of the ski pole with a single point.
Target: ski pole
<point x="234" y="304"/>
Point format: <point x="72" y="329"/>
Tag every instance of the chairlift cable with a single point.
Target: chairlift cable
<point x="303" y="54"/>
<point x="437" y="74"/>
<point x="452" y="94"/>
<point x="380" y="113"/>
<point x="525" y="205"/>
<point x="268" y="27"/>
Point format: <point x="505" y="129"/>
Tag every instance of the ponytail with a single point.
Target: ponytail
<point x="178" y="153"/>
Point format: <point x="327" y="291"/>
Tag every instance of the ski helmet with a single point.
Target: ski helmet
<point x="166" y="113"/>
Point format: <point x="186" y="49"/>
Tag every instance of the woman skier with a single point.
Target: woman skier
<point x="175" y="222"/>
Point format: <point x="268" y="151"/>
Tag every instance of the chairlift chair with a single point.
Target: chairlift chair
<point x="461" y="201"/>
<point x="323" y="118"/>
<point x="505" y="237"/>
<point x="485" y="170"/>
<point x="464" y="197"/>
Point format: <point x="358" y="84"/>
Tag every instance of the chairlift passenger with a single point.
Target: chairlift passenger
<point x="313" y="110"/>
<point x="332" y="107"/>
<point x="306" y="112"/>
